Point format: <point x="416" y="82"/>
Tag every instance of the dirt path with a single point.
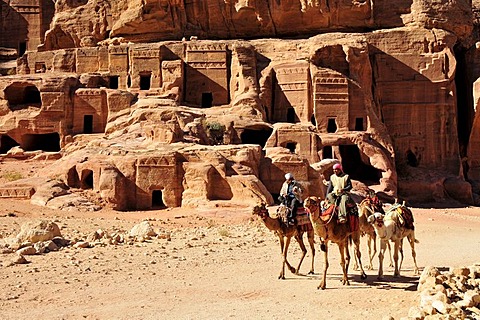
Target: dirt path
<point x="219" y="264"/>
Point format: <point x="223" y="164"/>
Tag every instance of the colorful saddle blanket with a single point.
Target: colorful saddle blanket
<point x="402" y="215"/>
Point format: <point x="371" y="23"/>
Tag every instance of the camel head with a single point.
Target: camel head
<point x="312" y="204"/>
<point x="260" y="210"/>
<point x="376" y="219"/>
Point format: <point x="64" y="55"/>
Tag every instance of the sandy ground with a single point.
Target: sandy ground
<point x="218" y="264"/>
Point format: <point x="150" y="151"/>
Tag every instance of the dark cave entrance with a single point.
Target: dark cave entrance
<point x="7" y="143"/>
<point x="87" y="179"/>
<point x="332" y="125"/>
<point x="250" y="136"/>
<point x="113" y="82"/>
<point x="354" y="166"/>
<point x="157" y="199"/>
<point x="145" y="80"/>
<point x="88" y="123"/>
<point x="49" y="142"/>
<point x="21" y="96"/>
<point x="207" y="99"/>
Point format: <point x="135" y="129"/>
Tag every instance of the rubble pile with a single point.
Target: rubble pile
<point x="452" y="294"/>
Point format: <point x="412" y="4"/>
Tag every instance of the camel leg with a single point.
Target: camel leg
<point x="358" y="254"/>
<point x="400" y="250"/>
<point x="311" y="241"/>
<point x="344" y="260"/>
<point x="355" y="263"/>
<point x="381" y="254"/>
<point x="299" y="239"/>
<point x="282" y="248"/>
<point x="323" y="282"/>
<point x="372" y="240"/>
<point x="411" y="239"/>
<point x="390" y="254"/>
<point x="396" y="249"/>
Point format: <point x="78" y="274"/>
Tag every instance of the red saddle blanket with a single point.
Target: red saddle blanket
<point x="352" y="216"/>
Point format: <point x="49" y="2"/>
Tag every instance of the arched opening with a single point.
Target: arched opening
<point x="157" y="199"/>
<point x="87" y="179"/>
<point x="113" y="82"/>
<point x="327" y="152"/>
<point x="332" y="125"/>
<point x="249" y="136"/>
<point x="292" y="146"/>
<point x="291" y="115"/>
<point x="359" y="124"/>
<point x="46" y="142"/>
<point x="412" y="160"/>
<point x="354" y="166"/>
<point x="88" y="123"/>
<point x="7" y="143"/>
<point x="21" y="96"/>
<point x="145" y="80"/>
<point x="207" y="99"/>
<point x="72" y="178"/>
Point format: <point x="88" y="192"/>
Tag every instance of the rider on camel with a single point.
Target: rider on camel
<point x="291" y="196"/>
<point x="337" y="191"/>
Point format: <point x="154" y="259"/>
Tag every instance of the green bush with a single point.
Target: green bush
<point x="215" y="132"/>
<point x="12" y="176"/>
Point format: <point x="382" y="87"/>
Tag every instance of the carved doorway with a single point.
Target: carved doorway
<point x="157" y="199"/>
<point x="88" y="123"/>
<point x="207" y="99"/>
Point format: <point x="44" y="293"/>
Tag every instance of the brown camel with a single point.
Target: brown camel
<point x="331" y="230"/>
<point x="393" y="226"/>
<point x="285" y="232"/>
<point x="366" y="208"/>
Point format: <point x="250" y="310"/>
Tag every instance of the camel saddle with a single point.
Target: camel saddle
<point x="303" y="220"/>
<point x="402" y="215"/>
<point x="352" y="215"/>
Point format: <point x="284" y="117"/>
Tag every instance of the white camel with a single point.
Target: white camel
<point x="392" y="226"/>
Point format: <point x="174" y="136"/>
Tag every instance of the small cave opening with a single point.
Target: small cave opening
<point x="113" y="83"/>
<point x="145" y="80"/>
<point x="291" y="116"/>
<point x="88" y="123"/>
<point x="49" y="142"/>
<point x="251" y="136"/>
<point x="354" y="166"/>
<point x="332" y="125"/>
<point x="359" y="124"/>
<point x="327" y="152"/>
<point x="20" y="96"/>
<point x="157" y="199"/>
<point x="412" y="159"/>
<point x="7" y="143"/>
<point x="207" y="99"/>
<point x="87" y="179"/>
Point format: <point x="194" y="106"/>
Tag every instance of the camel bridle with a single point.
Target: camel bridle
<point x="316" y="205"/>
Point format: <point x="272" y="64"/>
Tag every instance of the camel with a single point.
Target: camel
<point x="331" y="230"/>
<point x="285" y="232"/>
<point x="394" y="226"/>
<point x="366" y="208"/>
